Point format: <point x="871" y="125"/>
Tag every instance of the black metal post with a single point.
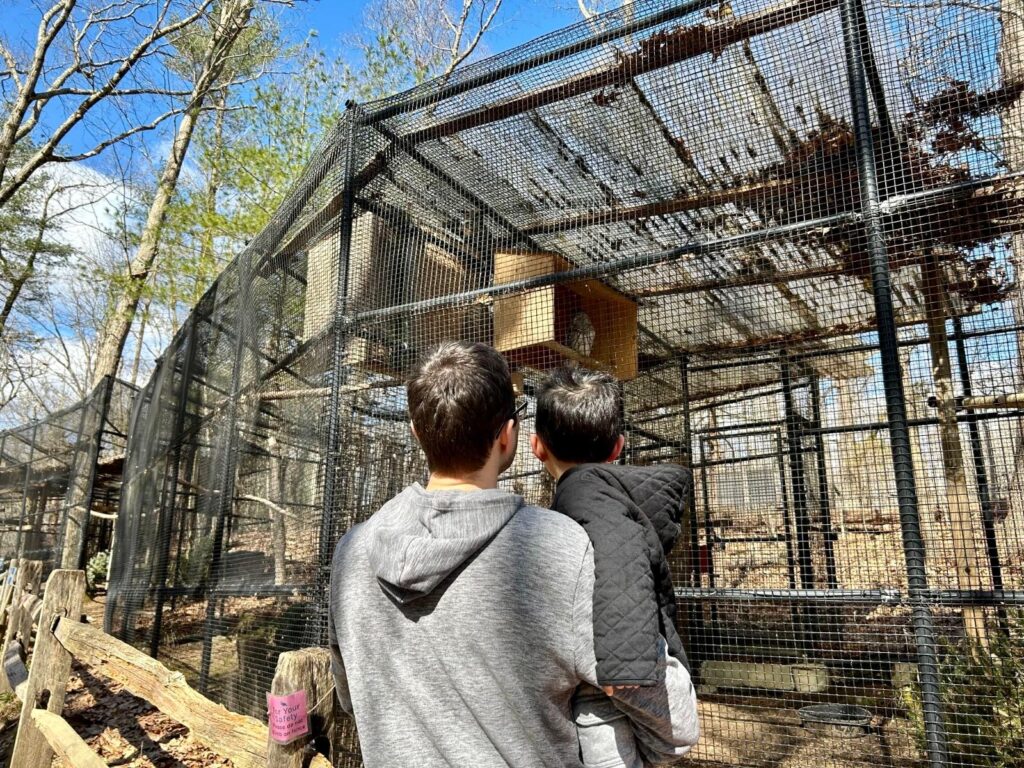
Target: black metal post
<point x="854" y="40"/>
<point x="787" y="522"/>
<point x="228" y="453"/>
<point x="24" y="493"/>
<point x="332" y="456"/>
<point x="980" y="469"/>
<point x="797" y="478"/>
<point x="824" y="499"/>
<point x="169" y="500"/>
<point x="695" y="616"/>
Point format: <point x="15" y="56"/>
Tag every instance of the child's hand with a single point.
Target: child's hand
<point x="611" y="690"/>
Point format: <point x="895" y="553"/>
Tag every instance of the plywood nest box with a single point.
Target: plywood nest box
<point x="586" y="322"/>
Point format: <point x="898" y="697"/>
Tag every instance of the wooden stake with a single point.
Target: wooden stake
<point x="7" y="589"/>
<point x="63" y="740"/>
<point x="964" y="527"/>
<point x="309" y="670"/>
<point x="27" y="577"/>
<point x="51" y="667"/>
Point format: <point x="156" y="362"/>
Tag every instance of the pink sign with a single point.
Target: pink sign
<point x="289" y="718"/>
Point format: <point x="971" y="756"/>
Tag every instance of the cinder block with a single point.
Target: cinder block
<point x="805" y="678"/>
<point x="741" y="674"/>
<point x="810" y="678"/>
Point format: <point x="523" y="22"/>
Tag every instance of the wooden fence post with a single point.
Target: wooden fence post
<point x="51" y="667"/>
<point x="7" y="589"/>
<point x="26" y="581"/>
<point x="309" y="670"/>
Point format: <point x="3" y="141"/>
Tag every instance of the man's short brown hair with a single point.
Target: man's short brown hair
<point x="459" y="396"/>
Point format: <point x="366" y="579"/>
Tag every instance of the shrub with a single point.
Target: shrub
<point x="96" y="570"/>
<point x="982" y="694"/>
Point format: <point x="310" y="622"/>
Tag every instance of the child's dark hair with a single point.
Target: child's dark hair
<point x="579" y="415"/>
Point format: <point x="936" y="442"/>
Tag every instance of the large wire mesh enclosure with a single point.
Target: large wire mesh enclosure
<point x="60" y="478"/>
<point x="789" y="229"/>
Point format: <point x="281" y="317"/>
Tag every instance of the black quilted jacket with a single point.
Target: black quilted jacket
<point x="632" y="516"/>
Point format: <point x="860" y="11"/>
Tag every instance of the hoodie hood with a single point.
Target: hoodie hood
<point x="420" y="537"/>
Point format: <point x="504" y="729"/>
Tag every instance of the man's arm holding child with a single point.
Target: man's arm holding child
<point x="664" y="715"/>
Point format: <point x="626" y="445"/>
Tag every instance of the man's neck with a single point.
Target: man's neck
<point x="478" y="481"/>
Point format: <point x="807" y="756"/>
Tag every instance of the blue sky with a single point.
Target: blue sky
<point x="518" y="20"/>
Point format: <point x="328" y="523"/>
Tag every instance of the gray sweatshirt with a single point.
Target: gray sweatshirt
<point x="461" y="624"/>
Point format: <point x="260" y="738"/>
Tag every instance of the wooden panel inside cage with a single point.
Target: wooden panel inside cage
<point x="391" y="265"/>
<point x="586" y="322"/>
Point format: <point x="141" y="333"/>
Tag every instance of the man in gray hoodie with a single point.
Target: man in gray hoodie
<point x="461" y="618"/>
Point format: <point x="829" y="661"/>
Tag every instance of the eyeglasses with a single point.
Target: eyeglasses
<point x="515" y="415"/>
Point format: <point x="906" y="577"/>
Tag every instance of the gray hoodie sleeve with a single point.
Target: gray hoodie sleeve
<point x="664" y="715"/>
<point x="337" y="663"/>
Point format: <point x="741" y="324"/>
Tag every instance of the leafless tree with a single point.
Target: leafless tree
<point x="439" y="34"/>
<point x="227" y="24"/>
<point x="93" y="70"/>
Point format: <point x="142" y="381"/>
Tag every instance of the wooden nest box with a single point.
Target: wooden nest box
<point x="586" y="322"/>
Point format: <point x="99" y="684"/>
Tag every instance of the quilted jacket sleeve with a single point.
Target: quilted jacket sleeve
<point x="626" y="615"/>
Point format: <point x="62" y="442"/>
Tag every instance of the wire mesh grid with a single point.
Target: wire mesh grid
<point x="60" y="476"/>
<point x="789" y="229"/>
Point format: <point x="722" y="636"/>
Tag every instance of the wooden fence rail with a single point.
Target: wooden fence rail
<point x="60" y="637"/>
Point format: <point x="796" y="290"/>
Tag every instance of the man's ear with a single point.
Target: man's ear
<point x="540" y="451"/>
<point x="619" y="445"/>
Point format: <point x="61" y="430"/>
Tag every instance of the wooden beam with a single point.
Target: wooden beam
<point x="64" y="742"/>
<point x="309" y="670"/>
<point x="964" y="526"/>
<point x="744" y="195"/>
<point x="51" y="667"/>
<point x="242" y="738"/>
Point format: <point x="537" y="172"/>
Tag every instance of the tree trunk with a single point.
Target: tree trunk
<point x="1011" y="64"/>
<point x="233" y="18"/>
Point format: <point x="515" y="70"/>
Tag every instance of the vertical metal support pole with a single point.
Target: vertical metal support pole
<point x="695" y="615"/>
<point x="798" y="478"/>
<point x="980" y="469"/>
<point x="226" y="481"/>
<point x="707" y="634"/>
<point x="332" y="457"/>
<point x="94" y="455"/>
<point x="24" y="492"/>
<point x="854" y="40"/>
<point x="168" y="511"/>
<point x="795" y="615"/>
<point x="828" y="536"/>
<point x="787" y="522"/>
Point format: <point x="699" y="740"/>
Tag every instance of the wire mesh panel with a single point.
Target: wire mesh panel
<point x="61" y="476"/>
<point x="788" y="229"/>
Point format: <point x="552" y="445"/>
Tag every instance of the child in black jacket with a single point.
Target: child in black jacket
<point x="632" y="515"/>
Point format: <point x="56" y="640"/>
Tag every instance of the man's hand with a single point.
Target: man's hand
<point x="610" y="690"/>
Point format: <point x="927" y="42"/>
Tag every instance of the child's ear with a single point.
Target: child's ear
<point x="540" y="451"/>
<point x="619" y="445"/>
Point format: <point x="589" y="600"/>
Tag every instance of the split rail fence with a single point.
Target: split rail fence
<point x="46" y="621"/>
